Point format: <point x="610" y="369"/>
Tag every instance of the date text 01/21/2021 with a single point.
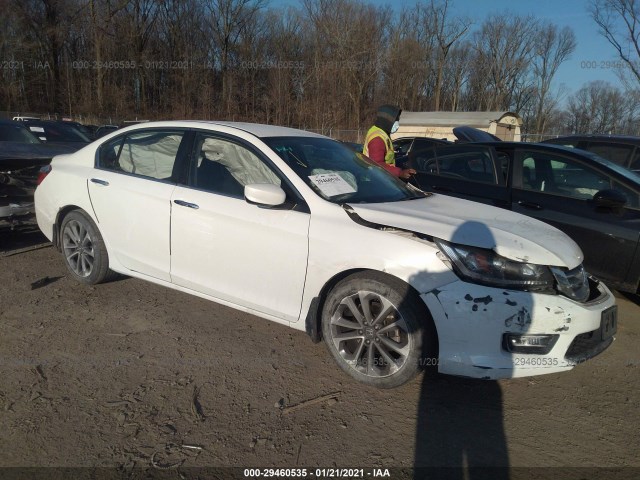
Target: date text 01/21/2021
<point x="316" y="473"/>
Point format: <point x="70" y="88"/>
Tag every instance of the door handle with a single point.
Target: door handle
<point x="533" y="206"/>
<point x="100" y="182"/>
<point x="182" y="203"/>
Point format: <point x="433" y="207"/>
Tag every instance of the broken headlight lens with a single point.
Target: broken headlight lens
<point x="486" y="267"/>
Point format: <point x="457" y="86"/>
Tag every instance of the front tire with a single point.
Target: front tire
<point x="83" y="248"/>
<point x="378" y="330"/>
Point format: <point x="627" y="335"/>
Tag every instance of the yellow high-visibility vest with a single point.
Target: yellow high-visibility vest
<point x="390" y="155"/>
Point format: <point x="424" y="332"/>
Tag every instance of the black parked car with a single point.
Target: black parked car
<point x="12" y="131"/>
<point x="620" y="149"/>
<point x="103" y="130"/>
<point x="87" y="130"/>
<point x="593" y="200"/>
<point x="408" y="147"/>
<point x="21" y="157"/>
<point x="58" y="133"/>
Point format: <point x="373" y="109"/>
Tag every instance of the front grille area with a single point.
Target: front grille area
<point x="585" y="346"/>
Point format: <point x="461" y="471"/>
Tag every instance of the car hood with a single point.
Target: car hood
<point x="509" y="234"/>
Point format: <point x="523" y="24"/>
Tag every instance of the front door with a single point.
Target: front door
<point x="225" y="247"/>
<point x="559" y="189"/>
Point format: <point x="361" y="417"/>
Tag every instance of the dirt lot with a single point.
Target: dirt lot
<point x="129" y="374"/>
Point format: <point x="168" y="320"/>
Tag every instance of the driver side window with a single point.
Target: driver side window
<point x="225" y="167"/>
<point x="464" y="162"/>
<point x="557" y="175"/>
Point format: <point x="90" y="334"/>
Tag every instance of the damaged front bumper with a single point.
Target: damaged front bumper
<point x="473" y="322"/>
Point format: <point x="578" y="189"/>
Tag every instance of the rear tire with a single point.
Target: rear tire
<point x="378" y="330"/>
<point x="84" y="250"/>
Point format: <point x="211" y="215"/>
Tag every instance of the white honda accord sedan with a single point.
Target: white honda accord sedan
<point x="298" y="229"/>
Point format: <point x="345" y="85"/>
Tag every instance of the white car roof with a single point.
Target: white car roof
<point x="257" y="129"/>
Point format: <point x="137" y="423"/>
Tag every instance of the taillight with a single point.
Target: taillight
<point x="44" y="171"/>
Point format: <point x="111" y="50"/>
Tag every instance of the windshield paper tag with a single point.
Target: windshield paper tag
<point x="331" y="184"/>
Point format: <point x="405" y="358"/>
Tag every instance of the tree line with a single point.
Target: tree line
<point x="323" y="64"/>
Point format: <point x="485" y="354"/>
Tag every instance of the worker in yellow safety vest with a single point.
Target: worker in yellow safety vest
<point x="377" y="144"/>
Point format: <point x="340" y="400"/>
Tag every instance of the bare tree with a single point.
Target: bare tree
<point x="13" y="49"/>
<point x="228" y="20"/>
<point x="326" y="64"/>
<point x="456" y="74"/>
<point x="101" y="15"/>
<point x="180" y="31"/>
<point x="135" y="31"/>
<point x="47" y="24"/>
<point x="285" y="47"/>
<point x="552" y="48"/>
<point x="619" y="23"/>
<point x="346" y="54"/>
<point x="407" y="63"/>
<point x="447" y="31"/>
<point x="503" y="54"/>
<point x="598" y="107"/>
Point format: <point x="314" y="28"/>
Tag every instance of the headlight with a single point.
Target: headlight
<point x="480" y="265"/>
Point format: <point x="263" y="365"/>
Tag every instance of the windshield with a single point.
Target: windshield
<point x="337" y="173"/>
<point x="17" y="133"/>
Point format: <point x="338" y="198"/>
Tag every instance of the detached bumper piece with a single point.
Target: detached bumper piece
<point x="17" y="216"/>
<point x="588" y="345"/>
<point x="17" y="210"/>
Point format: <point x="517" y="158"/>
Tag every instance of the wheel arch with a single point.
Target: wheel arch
<point x="62" y="213"/>
<point x="313" y="317"/>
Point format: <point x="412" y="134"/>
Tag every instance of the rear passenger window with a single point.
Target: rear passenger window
<point x="148" y="153"/>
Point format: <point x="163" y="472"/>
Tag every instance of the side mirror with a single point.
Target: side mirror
<point x="264" y="194"/>
<point x="610" y="199"/>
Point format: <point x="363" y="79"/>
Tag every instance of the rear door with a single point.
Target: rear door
<point x="464" y="171"/>
<point x="130" y="191"/>
<point x="558" y="188"/>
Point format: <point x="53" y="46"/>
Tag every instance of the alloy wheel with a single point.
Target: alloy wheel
<point x="370" y="334"/>
<point x="78" y="248"/>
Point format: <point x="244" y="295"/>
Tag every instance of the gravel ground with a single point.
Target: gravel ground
<point x="129" y="375"/>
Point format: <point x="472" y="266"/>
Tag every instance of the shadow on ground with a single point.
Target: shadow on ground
<point x="632" y="297"/>
<point x="14" y="243"/>
<point x="460" y="431"/>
